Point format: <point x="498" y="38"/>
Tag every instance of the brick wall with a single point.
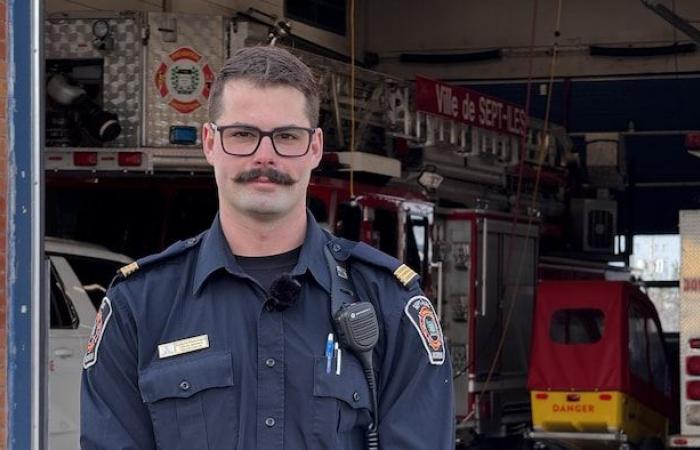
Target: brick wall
<point x="3" y="223"/>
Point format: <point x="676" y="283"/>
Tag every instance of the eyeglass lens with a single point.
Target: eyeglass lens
<point x="290" y="141"/>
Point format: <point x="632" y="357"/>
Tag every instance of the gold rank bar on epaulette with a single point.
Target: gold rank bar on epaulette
<point x="129" y="269"/>
<point x="404" y="274"/>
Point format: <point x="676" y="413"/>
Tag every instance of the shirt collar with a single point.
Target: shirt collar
<point x="311" y="257"/>
<point x="215" y="254"/>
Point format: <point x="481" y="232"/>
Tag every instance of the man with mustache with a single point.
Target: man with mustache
<point x="224" y="341"/>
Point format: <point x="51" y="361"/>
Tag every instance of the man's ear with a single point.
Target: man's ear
<point x="208" y="141"/>
<point x="317" y="147"/>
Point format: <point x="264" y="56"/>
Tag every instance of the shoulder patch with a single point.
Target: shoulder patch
<point x="422" y="315"/>
<point x="98" y="330"/>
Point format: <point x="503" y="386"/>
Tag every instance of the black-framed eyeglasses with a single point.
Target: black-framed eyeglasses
<point x="244" y="140"/>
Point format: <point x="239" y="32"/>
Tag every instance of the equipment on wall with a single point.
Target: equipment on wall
<point x="100" y="124"/>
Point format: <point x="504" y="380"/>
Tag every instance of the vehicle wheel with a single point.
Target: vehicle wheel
<point x="652" y="444"/>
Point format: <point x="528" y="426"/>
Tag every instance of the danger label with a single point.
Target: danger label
<point x="573" y="408"/>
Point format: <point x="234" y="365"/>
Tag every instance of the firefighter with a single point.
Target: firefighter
<point x="227" y="340"/>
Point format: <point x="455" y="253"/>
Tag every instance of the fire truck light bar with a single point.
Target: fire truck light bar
<point x="182" y="135"/>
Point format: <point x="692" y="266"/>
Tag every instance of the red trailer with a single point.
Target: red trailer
<point x="599" y="376"/>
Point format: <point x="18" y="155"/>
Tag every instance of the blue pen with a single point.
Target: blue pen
<point x="329" y="352"/>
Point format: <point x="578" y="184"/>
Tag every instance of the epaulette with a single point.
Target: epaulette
<point x="175" y="249"/>
<point x="343" y="249"/>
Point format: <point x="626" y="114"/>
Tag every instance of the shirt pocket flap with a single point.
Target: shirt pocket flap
<point x="350" y="386"/>
<point x="183" y="379"/>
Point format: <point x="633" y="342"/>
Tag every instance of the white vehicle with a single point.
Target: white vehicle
<point x="689" y="332"/>
<point x="79" y="276"/>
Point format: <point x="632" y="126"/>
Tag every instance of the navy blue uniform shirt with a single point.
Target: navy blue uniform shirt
<point x="249" y="378"/>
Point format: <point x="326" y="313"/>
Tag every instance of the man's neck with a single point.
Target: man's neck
<point x="249" y="236"/>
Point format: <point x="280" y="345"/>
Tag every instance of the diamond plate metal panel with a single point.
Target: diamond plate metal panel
<point x="69" y="37"/>
<point x="456" y="295"/>
<point x="689" y="310"/>
<point x="177" y="74"/>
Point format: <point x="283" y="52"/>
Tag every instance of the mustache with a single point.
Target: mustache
<point x="273" y="175"/>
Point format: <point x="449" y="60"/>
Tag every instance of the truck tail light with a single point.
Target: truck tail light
<point x="692" y="140"/>
<point x="694" y="342"/>
<point x="85" y="159"/>
<point x="129" y="159"/>
<point x="679" y="441"/>
<point x="605" y="397"/>
<point x="692" y="365"/>
<point x="692" y="390"/>
<point x="541" y="396"/>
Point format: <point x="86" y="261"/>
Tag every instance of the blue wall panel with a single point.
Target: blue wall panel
<point x="668" y="103"/>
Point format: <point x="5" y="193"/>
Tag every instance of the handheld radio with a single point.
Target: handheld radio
<point x="358" y="330"/>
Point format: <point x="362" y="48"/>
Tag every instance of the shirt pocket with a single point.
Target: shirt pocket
<point x="190" y="396"/>
<point x="342" y="403"/>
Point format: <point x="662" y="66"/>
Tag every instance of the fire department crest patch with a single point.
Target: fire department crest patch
<point x="184" y="80"/>
<point x="422" y="315"/>
<point x="98" y="330"/>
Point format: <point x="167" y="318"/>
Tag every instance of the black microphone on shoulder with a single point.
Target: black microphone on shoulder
<point x="284" y="291"/>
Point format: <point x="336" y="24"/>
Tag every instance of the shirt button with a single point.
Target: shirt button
<point x="270" y="363"/>
<point x="270" y="422"/>
<point x="356" y="396"/>
<point x="184" y="385"/>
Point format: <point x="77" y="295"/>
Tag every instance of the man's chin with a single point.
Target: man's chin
<point x="263" y="208"/>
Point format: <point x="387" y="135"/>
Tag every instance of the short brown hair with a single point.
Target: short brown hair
<point x="266" y="66"/>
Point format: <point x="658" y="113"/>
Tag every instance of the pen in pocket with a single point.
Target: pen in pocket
<point x="329" y="352"/>
<point x="338" y="358"/>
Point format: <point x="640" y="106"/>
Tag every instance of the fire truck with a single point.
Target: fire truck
<point x="126" y="97"/>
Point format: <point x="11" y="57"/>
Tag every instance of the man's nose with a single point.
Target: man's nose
<point x="265" y="154"/>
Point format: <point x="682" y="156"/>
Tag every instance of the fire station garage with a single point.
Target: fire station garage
<point x="536" y="163"/>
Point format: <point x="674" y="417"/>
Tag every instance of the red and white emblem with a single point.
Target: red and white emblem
<point x="184" y="80"/>
<point x="422" y="315"/>
<point x="98" y="330"/>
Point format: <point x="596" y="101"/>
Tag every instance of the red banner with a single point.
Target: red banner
<point x="469" y="107"/>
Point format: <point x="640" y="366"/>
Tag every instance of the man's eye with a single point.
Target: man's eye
<point x="241" y="134"/>
<point x="288" y="136"/>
